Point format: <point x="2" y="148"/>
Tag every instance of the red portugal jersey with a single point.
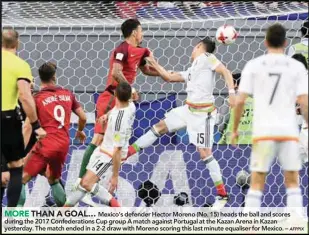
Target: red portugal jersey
<point x="131" y="58"/>
<point x="54" y="107"/>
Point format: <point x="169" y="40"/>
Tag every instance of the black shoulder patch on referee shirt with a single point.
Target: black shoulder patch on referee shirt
<point x="25" y="79"/>
<point x="118" y="120"/>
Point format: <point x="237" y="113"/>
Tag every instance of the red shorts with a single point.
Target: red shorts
<point x="105" y="103"/>
<point x="47" y="155"/>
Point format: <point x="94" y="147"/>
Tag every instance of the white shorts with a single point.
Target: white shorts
<point x="100" y="163"/>
<point x="264" y="153"/>
<point x="303" y="145"/>
<point x="200" y="125"/>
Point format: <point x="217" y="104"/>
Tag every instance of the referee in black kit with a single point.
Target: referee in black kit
<point x="16" y="80"/>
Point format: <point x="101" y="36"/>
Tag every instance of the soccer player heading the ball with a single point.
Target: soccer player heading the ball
<point x="124" y="62"/>
<point x="198" y="114"/>
<point x="54" y="106"/>
<point x="106" y="159"/>
<point x="276" y="82"/>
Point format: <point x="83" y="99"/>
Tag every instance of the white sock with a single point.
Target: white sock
<point x="214" y="170"/>
<point x="101" y="193"/>
<point x="147" y="139"/>
<point x="76" y="196"/>
<point x="253" y="200"/>
<point x="294" y="197"/>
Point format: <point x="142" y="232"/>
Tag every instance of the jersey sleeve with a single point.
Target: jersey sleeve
<point x="121" y="53"/>
<point x="24" y="72"/>
<point x="75" y="103"/>
<point x="211" y="61"/>
<point x="119" y="130"/>
<point x="146" y="54"/>
<point x="302" y="84"/>
<point x="246" y="82"/>
<point x="185" y="74"/>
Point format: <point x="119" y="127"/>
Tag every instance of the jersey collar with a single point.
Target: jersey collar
<point x="51" y="88"/>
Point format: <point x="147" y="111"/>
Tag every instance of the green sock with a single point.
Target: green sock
<point x="22" y="197"/>
<point x="58" y="194"/>
<point x="86" y="158"/>
<point x="136" y="148"/>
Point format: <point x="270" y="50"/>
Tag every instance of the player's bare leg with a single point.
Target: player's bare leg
<point x="89" y="184"/>
<point x="149" y="138"/>
<point x="96" y="141"/>
<point x="293" y="191"/>
<point x="216" y="176"/>
<point x="255" y="193"/>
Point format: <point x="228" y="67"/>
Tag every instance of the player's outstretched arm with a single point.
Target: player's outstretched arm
<point x="165" y="75"/>
<point x="227" y="75"/>
<point x="82" y="120"/>
<point x="116" y="166"/>
<point x="149" y="70"/>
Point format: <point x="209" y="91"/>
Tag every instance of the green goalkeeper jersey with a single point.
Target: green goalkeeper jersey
<point x="244" y="128"/>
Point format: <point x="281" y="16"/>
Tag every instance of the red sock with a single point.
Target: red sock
<point x="114" y="203"/>
<point x="131" y="151"/>
<point x="221" y="190"/>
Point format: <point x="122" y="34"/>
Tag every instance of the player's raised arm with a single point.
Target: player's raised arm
<point x="165" y="75"/>
<point x="227" y="75"/>
<point x="146" y="68"/>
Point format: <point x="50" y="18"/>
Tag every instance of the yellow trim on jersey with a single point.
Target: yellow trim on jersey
<point x="201" y="107"/>
<point x="275" y="138"/>
<point x="200" y="110"/>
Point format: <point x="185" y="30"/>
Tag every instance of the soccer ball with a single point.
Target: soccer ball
<point x="226" y="34"/>
<point x="243" y="178"/>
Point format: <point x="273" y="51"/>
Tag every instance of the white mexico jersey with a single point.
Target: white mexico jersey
<point x="275" y="81"/>
<point x="119" y="130"/>
<point x="200" y="80"/>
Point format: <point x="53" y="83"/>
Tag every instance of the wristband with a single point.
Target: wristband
<point x="231" y="91"/>
<point x="35" y="125"/>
